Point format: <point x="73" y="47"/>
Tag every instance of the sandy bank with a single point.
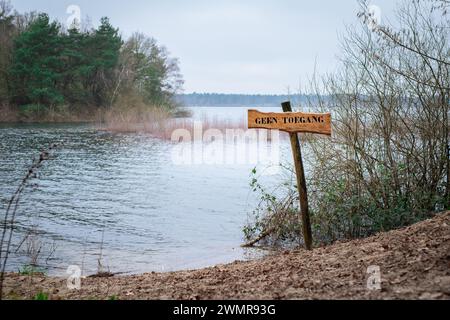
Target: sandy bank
<point x="414" y="264"/>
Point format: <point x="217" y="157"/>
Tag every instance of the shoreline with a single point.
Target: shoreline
<point x="413" y="263"/>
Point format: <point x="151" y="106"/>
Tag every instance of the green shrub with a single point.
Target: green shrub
<point x="28" y="270"/>
<point x="41" y="296"/>
<point x="275" y="221"/>
<point x="339" y="209"/>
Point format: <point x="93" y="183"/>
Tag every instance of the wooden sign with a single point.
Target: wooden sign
<point x="292" y="122"/>
<point x="295" y="122"/>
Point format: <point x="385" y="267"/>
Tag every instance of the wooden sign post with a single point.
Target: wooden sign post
<point x="293" y="123"/>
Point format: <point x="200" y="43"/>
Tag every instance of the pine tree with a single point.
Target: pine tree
<point x="6" y="45"/>
<point x="102" y="50"/>
<point x="37" y="63"/>
<point x="74" y="67"/>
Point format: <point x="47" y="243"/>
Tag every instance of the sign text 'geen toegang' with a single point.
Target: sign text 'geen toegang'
<point x="292" y="122"/>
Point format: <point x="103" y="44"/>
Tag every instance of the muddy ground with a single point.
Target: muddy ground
<point x="414" y="263"/>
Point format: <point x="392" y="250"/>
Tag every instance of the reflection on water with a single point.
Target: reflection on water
<point x="121" y="197"/>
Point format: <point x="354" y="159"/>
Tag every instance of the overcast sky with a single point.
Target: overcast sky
<point x="231" y="46"/>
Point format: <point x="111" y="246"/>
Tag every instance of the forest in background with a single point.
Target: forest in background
<point x="239" y="100"/>
<point x="47" y="69"/>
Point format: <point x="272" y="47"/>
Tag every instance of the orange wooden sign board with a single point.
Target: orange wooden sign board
<point x="295" y="122"/>
<point x="292" y="122"/>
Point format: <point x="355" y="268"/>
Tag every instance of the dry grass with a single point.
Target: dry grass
<point x="133" y="120"/>
<point x="8" y="114"/>
<point x="160" y="123"/>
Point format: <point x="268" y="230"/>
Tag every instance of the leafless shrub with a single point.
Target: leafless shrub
<point x="388" y="163"/>
<point x="8" y="223"/>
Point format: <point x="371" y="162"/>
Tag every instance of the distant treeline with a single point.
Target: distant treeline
<point x="45" y="65"/>
<point x="218" y="99"/>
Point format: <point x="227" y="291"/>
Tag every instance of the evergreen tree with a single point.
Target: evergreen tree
<point x="74" y="67"/>
<point x="102" y="50"/>
<point x="37" y="64"/>
<point x="6" y="44"/>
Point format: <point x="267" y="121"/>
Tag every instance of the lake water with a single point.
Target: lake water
<point x="120" y="199"/>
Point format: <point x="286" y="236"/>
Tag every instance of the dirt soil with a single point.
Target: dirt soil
<point x="414" y="264"/>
